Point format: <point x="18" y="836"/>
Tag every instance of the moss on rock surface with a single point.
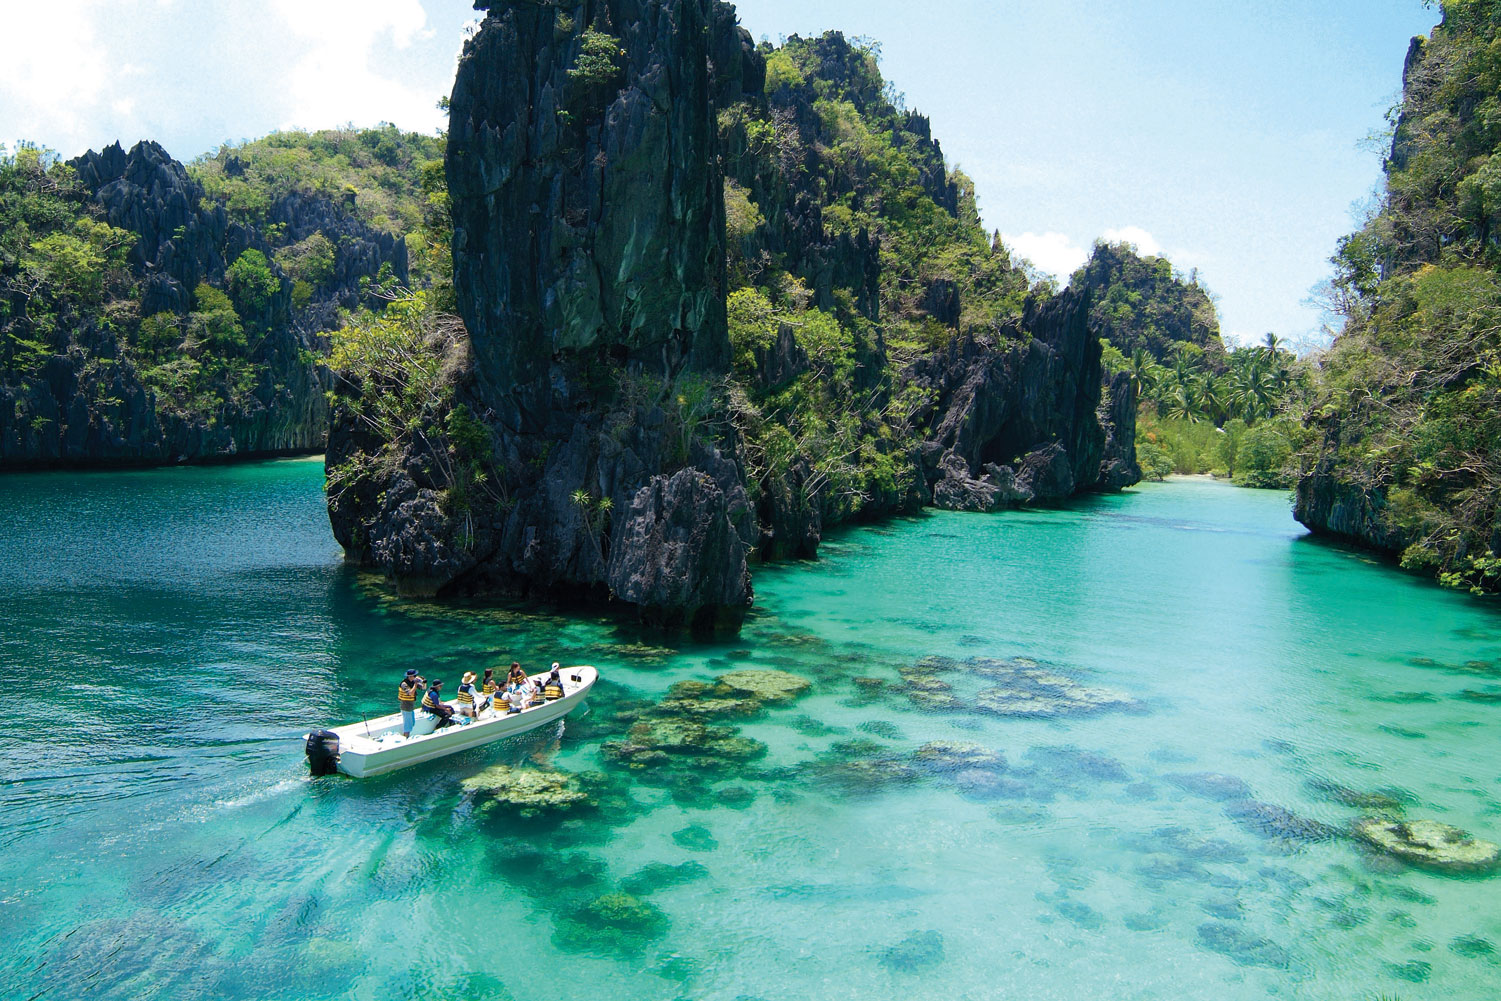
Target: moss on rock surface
<point x="1430" y="844"/>
<point x="613" y="924"/>
<point x="766" y="685"/>
<point x="655" y="742"/>
<point x="529" y="791"/>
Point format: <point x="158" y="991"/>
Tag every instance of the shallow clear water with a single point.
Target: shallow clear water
<point x="166" y="637"/>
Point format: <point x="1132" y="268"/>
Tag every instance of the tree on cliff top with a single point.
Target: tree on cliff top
<point x="1141" y="302"/>
<point x="1410" y="404"/>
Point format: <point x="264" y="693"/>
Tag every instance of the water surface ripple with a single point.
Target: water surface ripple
<point x="1226" y="696"/>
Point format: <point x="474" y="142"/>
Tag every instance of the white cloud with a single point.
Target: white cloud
<point x="53" y="74"/>
<point x="339" y="74"/>
<point x="78" y="74"/>
<point x="1053" y="253"/>
<point x="1144" y="242"/>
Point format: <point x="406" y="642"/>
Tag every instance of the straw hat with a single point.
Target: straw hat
<point x="468" y="677"/>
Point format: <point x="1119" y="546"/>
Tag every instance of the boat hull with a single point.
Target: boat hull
<point x="375" y="747"/>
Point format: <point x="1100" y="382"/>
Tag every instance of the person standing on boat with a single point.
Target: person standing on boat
<point x="465" y="696"/>
<point x="406" y="698"/>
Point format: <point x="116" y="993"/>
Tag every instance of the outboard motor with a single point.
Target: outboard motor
<point x="323" y="752"/>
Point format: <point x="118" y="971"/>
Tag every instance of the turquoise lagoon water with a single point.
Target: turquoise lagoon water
<point x="166" y="637"/>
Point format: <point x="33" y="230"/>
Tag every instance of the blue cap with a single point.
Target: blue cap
<point x="411" y="671"/>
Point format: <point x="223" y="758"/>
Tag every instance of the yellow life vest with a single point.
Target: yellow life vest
<point x="491" y="687"/>
<point x="466" y="695"/>
<point x="552" y="692"/>
<point x="406" y="694"/>
<point x="428" y="702"/>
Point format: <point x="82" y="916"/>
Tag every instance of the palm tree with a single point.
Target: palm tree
<point x="1145" y="372"/>
<point x="1211" y="396"/>
<point x="1183" y="401"/>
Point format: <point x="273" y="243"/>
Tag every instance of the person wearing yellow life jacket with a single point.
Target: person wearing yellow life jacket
<point x="406" y="698"/>
<point x="518" y="697"/>
<point x="433" y="702"/>
<point x="552" y="686"/>
<point x="489" y="689"/>
<point x="466" y="696"/>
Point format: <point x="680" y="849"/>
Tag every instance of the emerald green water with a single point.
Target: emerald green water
<point x="166" y="637"/>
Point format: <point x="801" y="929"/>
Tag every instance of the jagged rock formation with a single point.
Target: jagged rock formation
<point x="87" y="405"/>
<point x="589" y="251"/>
<point x="1140" y="303"/>
<point x="1406" y="453"/>
<point x="589" y="272"/>
<point x="1014" y="420"/>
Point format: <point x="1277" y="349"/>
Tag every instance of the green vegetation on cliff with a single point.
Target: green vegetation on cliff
<point x="145" y="318"/>
<point x="382" y="176"/>
<point x="67" y="289"/>
<point x="1408" y="417"/>
<point x="1204" y="409"/>
<point x="853" y="248"/>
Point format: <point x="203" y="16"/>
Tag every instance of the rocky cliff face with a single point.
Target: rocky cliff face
<point x="591" y="348"/>
<point x="589" y="273"/>
<point x="87" y="404"/>
<point x="1336" y="505"/>
<point x="1017" y="419"/>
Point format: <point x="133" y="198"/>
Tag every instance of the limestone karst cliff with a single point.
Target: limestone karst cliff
<point x="1406" y="425"/>
<point x="686" y="333"/>
<point x="588" y="244"/>
<point x="121" y="345"/>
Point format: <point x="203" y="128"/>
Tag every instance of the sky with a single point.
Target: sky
<point x="1233" y="137"/>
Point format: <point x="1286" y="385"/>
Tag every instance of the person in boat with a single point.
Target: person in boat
<point x="518" y="697"/>
<point x="517" y="675"/>
<point x="407" y="691"/>
<point x="489" y="689"/>
<point x="466" y="696"/>
<point x="433" y="702"/>
<point x="552" y="686"/>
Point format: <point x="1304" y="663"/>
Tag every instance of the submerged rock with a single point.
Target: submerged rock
<point x="766" y="685"/>
<point x="1211" y="785"/>
<point x="950" y="757"/>
<point x="1272" y="821"/>
<point x="1067" y="764"/>
<point x="1243" y="947"/>
<point x="657" y="741"/>
<point x="529" y="791"/>
<point x="1081" y="914"/>
<point x="615" y="924"/>
<point x="1038" y="692"/>
<point x="661" y="876"/>
<point x="698" y="698"/>
<point x="915" y="953"/>
<point x="1345" y="796"/>
<point x="695" y="838"/>
<point x="1414" y="971"/>
<point x="1472" y="947"/>
<point x="1429" y="844"/>
<point x="860" y="766"/>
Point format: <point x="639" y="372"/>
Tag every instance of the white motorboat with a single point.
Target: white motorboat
<point x="376" y="746"/>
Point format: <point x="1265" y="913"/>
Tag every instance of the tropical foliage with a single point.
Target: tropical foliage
<point x="66" y="288"/>
<point x="383" y="175"/>
<point x="1409" y="410"/>
<point x="835" y="148"/>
